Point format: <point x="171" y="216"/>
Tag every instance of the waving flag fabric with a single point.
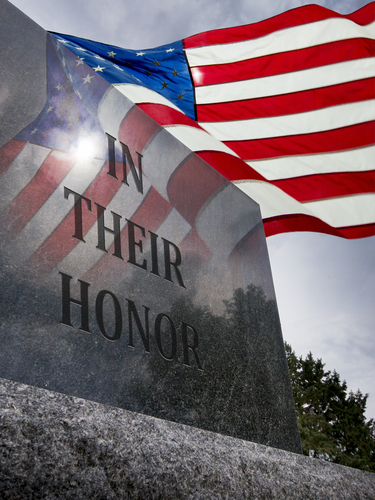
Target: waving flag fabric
<point x="284" y="108"/>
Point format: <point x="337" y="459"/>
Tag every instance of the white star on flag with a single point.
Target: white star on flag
<point x="87" y="79"/>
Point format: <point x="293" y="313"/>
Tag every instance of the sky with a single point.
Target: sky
<point x="325" y="285"/>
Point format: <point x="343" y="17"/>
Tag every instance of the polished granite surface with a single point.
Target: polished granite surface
<point x="133" y="273"/>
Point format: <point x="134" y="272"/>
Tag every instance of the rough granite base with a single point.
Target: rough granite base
<point x="61" y="447"/>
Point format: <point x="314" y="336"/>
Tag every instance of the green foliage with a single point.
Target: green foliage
<point x="332" y="423"/>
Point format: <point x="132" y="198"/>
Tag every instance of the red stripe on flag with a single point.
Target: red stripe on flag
<point x="136" y="129"/>
<point x="302" y="222"/>
<point x="61" y="241"/>
<point x="341" y="139"/>
<point x="281" y="105"/>
<point x="8" y="153"/>
<point x="164" y="115"/>
<point x="151" y="213"/>
<point x="101" y="191"/>
<point x="253" y="245"/>
<point x="193" y="243"/>
<point x="294" y="17"/>
<point x="284" y="62"/>
<point x="320" y="186"/>
<point x="31" y="198"/>
<point x="191" y="186"/>
<point x="229" y="166"/>
<point x="358" y="231"/>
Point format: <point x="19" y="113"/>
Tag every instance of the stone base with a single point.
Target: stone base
<point x="57" y="447"/>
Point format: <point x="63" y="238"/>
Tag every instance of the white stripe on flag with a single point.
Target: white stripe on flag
<point x="297" y="37"/>
<point x="197" y="139"/>
<point x="337" y="212"/>
<point x="294" y="124"/>
<point x="112" y="110"/>
<point x="234" y="224"/>
<point x="85" y="255"/>
<point x="287" y="83"/>
<point x="272" y="200"/>
<point x="346" y="210"/>
<point x="139" y="94"/>
<point x="159" y="163"/>
<point x="21" y="171"/>
<point x="42" y="225"/>
<point x="173" y="228"/>
<point x="352" y="160"/>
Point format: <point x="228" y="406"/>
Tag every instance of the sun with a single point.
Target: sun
<point x="86" y="148"/>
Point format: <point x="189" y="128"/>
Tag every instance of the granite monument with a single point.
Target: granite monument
<point x="132" y="273"/>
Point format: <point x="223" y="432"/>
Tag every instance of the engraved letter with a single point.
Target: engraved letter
<point x="77" y="211"/>
<point x="145" y="335"/>
<point x="159" y="319"/>
<point x="133" y="244"/>
<point x="67" y="299"/>
<point x="99" y="315"/>
<point x="111" y="156"/>
<point x="127" y="156"/>
<point x="188" y="346"/>
<point x="154" y="254"/>
<point x="169" y="264"/>
<point x="115" y="231"/>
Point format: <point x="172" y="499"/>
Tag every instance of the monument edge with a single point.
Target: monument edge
<point x="58" y="446"/>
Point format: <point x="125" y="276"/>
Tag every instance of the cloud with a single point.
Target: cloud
<point x="325" y="288"/>
<point x="151" y="23"/>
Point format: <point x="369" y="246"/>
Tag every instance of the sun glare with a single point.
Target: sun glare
<point x="197" y="76"/>
<point x="86" y="148"/>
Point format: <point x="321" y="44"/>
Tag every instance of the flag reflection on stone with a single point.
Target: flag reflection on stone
<point x="133" y="273"/>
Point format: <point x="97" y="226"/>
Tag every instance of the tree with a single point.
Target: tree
<point x="332" y="422"/>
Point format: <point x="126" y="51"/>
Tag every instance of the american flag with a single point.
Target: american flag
<point x="284" y="108"/>
<point x="46" y="156"/>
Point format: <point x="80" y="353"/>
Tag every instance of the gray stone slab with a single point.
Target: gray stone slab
<point x="132" y="272"/>
<point x="61" y="447"/>
<point x="23" y="90"/>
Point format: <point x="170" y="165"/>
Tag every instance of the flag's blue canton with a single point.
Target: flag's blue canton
<point x="70" y="110"/>
<point x="162" y="69"/>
